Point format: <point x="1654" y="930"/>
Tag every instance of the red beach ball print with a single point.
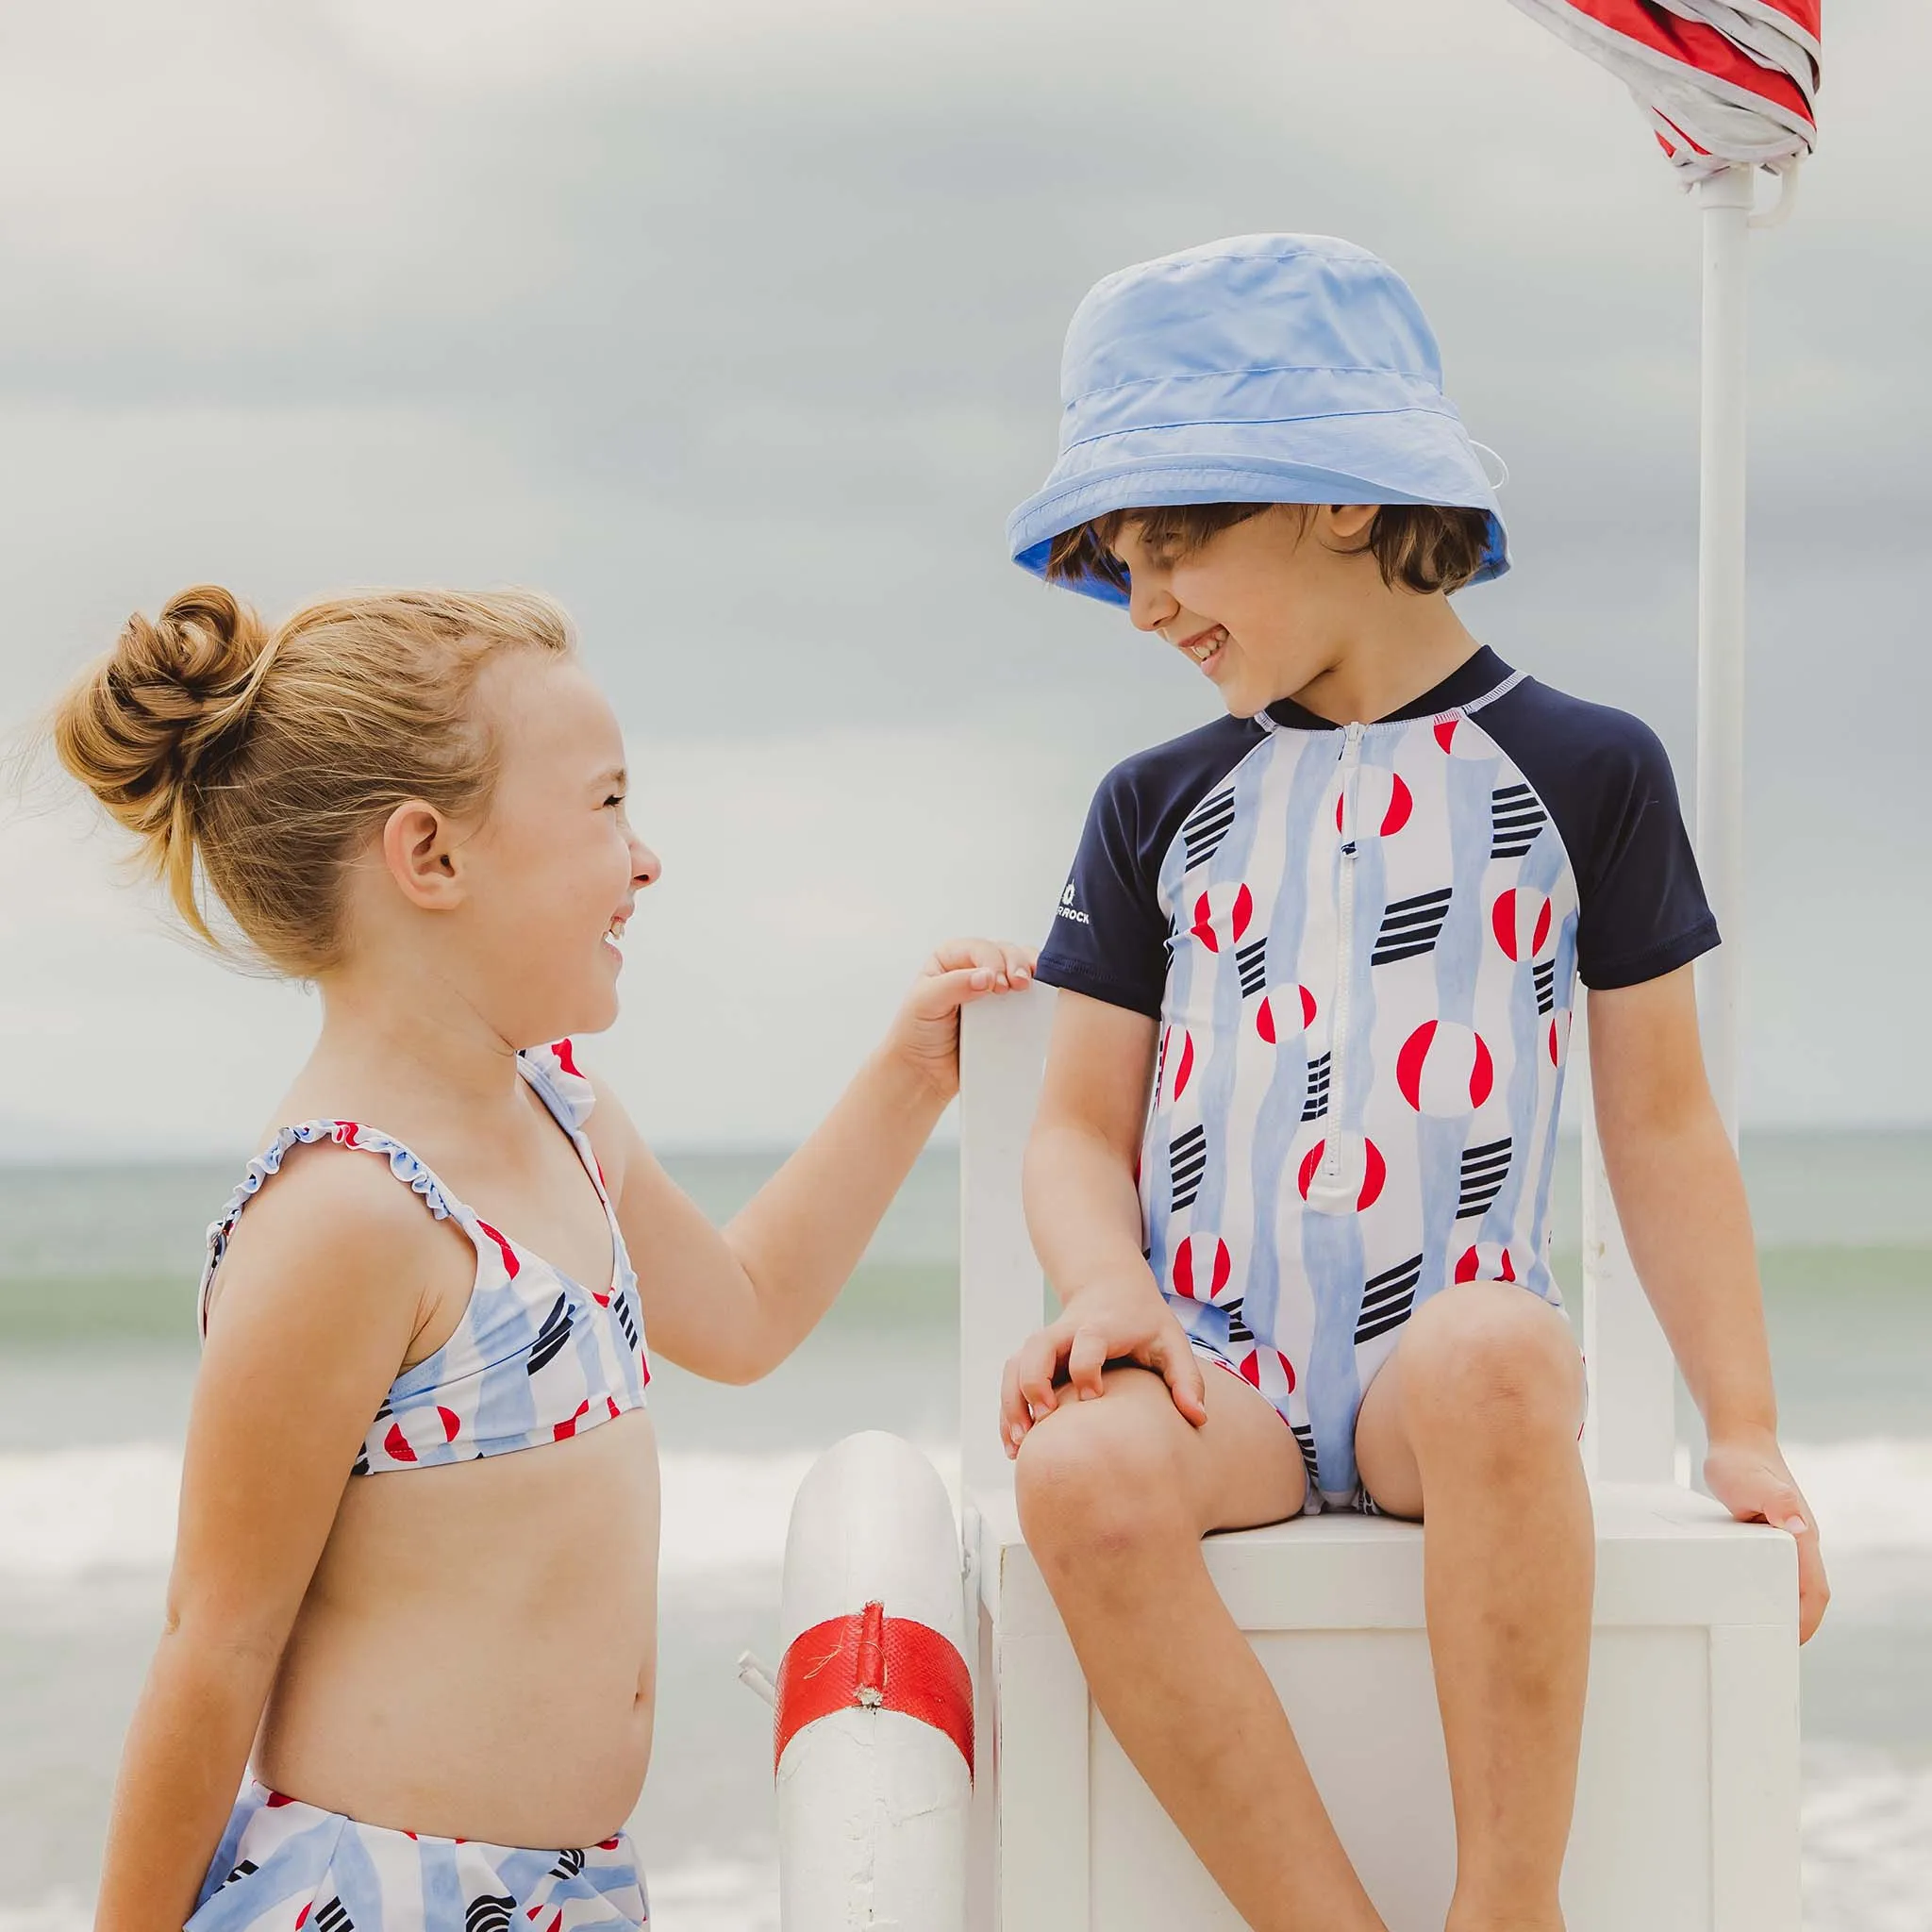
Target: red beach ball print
<point x="1283" y="1012"/>
<point x="1382" y="804"/>
<point x="1360" y="1162"/>
<point x="1463" y="739"/>
<point x="1176" y="1062"/>
<point x="512" y="1266"/>
<point x="1488" y="1261"/>
<point x="1522" y="923"/>
<point x="1557" y="1040"/>
<point x="420" y="1429"/>
<point x="1202" y="1267"/>
<point x="1444" y="1069"/>
<point x="1270" y="1372"/>
<point x="1222" y="914"/>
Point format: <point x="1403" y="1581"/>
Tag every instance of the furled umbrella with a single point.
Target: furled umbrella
<point x="1729" y="89"/>
<point x="1724" y="85"/>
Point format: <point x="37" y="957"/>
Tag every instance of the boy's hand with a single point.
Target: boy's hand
<point x="1747" y="1475"/>
<point x="926" y="1032"/>
<point x="1103" y="1326"/>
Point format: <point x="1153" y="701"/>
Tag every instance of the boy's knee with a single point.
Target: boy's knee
<point x="1095" y="1481"/>
<point x="1491" y="1355"/>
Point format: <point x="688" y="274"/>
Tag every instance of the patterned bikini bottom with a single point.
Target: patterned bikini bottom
<point x="284" y="1866"/>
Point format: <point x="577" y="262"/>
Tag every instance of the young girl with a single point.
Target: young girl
<point x="436" y="1653"/>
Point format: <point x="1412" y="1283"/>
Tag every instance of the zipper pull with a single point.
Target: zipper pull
<point x="1352" y="765"/>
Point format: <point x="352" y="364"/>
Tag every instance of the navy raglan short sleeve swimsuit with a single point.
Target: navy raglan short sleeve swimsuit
<point x="1362" y="946"/>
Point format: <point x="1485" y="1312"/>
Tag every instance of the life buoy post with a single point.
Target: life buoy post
<point x="872" y="1732"/>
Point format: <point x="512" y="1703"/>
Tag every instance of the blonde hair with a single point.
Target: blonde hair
<point x="256" y="762"/>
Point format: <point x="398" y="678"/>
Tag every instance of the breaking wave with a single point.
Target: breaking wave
<point x="69" y="1513"/>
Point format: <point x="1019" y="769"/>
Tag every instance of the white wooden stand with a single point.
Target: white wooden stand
<point x="1686" y="1814"/>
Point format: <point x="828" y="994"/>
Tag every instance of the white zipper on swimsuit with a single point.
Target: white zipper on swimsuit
<point x="1330" y="1178"/>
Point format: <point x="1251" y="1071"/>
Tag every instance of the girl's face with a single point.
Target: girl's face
<point x="1264" y="607"/>
<point x="554" y="869"/>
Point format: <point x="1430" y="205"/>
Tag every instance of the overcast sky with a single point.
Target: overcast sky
<point x="736" y="328"/>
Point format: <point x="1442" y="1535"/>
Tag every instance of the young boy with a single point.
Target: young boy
<point x="1335" y="936"/>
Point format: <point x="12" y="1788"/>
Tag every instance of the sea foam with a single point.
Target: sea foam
<point x="66" y="1513"/>
<point x="1872" y="1496"/>
<point x="714" y="1895"/>
<point x="69" y="1513"/>
<point x="1866" y="1836"/>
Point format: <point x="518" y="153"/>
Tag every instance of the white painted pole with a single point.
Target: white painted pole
<point x="1725" y="202"/>
<point x="1631" y="1432"/>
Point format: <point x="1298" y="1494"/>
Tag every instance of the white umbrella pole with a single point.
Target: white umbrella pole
<point x="1630" y="1433"/>
<point x="1725" y="202"/>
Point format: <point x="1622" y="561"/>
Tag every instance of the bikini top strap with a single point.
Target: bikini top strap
<point x="551" y="1070"/>
<point x="564" y="1089"/>
<point x="415" y="1175"/>
<point x="570" y="1099"/>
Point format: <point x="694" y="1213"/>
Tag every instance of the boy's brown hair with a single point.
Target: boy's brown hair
<point x="1422" y="547"/>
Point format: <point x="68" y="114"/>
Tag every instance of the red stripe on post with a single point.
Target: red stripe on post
<point x="872" y="1661"/>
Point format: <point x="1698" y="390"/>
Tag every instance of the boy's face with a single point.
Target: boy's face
<point x="1264" y="607"/>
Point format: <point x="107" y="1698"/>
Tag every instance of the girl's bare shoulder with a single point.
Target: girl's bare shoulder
<point x="333" y="1223"/>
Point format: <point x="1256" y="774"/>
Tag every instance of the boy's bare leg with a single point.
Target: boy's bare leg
<point x="1115" y="1496"/>
<point x="1471" y="1425"/>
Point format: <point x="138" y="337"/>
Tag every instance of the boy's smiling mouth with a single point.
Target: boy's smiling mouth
<point x="1204" y="647"/>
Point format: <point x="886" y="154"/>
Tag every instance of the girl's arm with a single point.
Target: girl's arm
<point x="307" y="1335"/>
<point x="1681" y="1200"/>
<point x="1083" y="1212"/>
<point x="732" y="1305"/>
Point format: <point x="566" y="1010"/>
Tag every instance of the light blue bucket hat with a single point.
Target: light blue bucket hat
<point x="1264" y="369"/>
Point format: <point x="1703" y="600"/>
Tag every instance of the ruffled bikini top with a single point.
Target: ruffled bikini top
<point x="537" y="1357"/>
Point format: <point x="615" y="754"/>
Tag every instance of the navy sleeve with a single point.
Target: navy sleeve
<point x="1110" y="937"/>
<point x="1606" y="781"/>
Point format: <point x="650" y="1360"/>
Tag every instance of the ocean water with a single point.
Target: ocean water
<point x="95" y="1372"/>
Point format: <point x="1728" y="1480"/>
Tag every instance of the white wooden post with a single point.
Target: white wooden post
<point x="1002" y="1297"/>
<point x="1756" y="1880"/>
<point x="1031" y="1700"/>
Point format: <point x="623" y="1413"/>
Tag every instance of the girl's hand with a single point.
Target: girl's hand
<point x="926" y="1032"/>
<point x="1747" y="1475"/>
<point x="1125" y="1323"/>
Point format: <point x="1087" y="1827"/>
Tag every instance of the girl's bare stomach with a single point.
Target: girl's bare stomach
<point x="476" y="1654"/>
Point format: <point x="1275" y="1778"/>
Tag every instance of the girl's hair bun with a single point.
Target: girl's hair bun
<point x="142" y="725"/>
<point x="158" y="716"/>
<point x="253" y="765"/>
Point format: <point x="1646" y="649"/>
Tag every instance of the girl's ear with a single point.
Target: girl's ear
<point x="419" y="851"/>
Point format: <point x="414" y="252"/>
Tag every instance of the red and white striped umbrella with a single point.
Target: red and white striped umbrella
<point x="1722" y="85"/>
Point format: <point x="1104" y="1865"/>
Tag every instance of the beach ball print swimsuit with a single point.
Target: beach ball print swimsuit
<point x="537" y="1359"/>
<point x="1362" y="946"/>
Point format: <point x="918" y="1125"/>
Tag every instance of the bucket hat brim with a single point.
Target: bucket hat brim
<point x="1332" y="463"/>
